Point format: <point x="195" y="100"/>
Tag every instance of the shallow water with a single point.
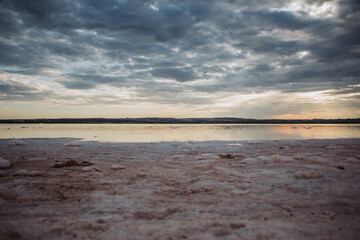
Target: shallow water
<point x="180" y="132"/>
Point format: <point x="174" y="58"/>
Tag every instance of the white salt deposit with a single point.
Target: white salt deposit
<point x="25" y="172"/>
<point x="4" y="163"/>
<point x="235" y="144"/>
<point x="208" y="156"/>
<point x="178" y="157"/>
<point x="21" y="172"/>
<point x="264" y="158"/>
<point x="287" y="189"/>
<point x="278" y="158"/>
<point x="250" y="160"/>
<point x="17" y="142"/>
<point x="308" y="174"/>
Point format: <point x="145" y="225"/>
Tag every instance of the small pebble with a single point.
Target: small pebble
<point x="2" y="173"/>
<point x="4" y="163"/>
<point x="117" y="167"/>
<point x="308" y="175"/>
<point x="24" y="172"/>
<point x="208" y="156"/>
<point x="16" y="142"/>
<point x="228" y="156"/>
<point x="100" y="220"/>
<point x="72" y="144"/>
<point x="90" y="169"/>
<point x="178" y="157"/>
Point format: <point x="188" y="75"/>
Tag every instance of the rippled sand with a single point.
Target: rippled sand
<point x="68" y="189"/>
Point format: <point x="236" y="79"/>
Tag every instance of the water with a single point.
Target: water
<point x="180" y="132"/>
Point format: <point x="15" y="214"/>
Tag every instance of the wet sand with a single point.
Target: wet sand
<point x="290" y="189"/>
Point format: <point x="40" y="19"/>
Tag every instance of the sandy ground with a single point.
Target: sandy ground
<point x="303" y="189"/>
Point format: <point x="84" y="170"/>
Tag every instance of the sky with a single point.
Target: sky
<point x="287" y="59"/>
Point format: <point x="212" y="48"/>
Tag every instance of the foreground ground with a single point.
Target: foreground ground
<point x="305" y="189"/>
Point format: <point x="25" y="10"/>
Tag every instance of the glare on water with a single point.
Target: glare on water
<point x="180" y="132"/>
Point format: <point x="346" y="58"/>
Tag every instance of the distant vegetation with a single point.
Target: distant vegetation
<point x="179" y="120"/>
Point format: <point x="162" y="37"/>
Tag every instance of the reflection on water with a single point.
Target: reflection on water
<point x="180" y="132"/>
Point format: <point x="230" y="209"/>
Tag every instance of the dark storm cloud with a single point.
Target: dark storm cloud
<point x="12" y="90"/>
<point x="277" y="19"/>
<point x="78" y="84"/>
<point x="270" y="45"/>
<point x="9" y="26"/>
<point x="8" y="88"/>
<point x="19" y="56"/>
<point x="261" y="68"/>
<point x="340" y="47"/>
<point x="180" y="75"/>
<point x="346" y="91"/>
<point x="236" y="46"/>
<point x="89" y="80"/>
<point x="97" y="78"/>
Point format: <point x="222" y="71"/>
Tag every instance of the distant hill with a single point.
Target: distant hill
<point x="227" y="120"/>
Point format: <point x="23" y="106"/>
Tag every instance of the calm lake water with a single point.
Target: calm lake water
<point x="180" y="132"/>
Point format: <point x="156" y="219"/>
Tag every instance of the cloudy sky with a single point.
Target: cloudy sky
<point x="163" y="58"/>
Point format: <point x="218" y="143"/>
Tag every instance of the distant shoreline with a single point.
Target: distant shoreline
<point x="179" y="121"/>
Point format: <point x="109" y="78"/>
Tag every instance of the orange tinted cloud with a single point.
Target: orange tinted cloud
<point x="303" y="115"/>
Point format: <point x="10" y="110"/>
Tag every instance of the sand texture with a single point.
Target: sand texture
<point x="69" y="189"/>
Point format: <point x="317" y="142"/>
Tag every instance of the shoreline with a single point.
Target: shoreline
<point x="265" y="189"/>
<point x="171" y="132"/>
<point x="84" y="140"/>
<point x="170" y="120"/>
